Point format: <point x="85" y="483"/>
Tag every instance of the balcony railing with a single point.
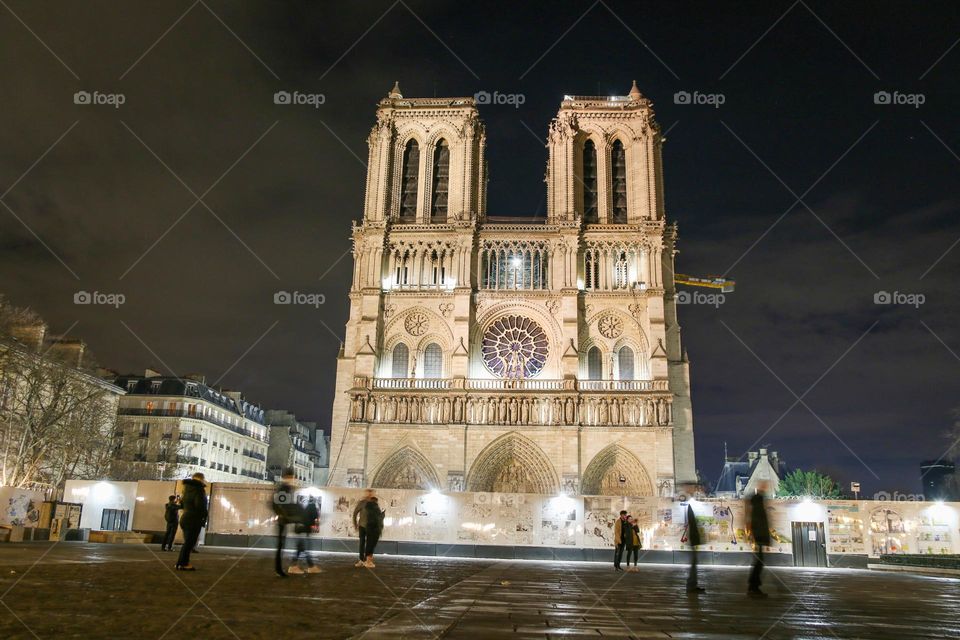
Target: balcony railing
<point x="508" y="384"/>
<point x="188" y="460"/>
<point x="178" y="413"/>
<point x="189" y="437"/>
<point x="254" y="455"/>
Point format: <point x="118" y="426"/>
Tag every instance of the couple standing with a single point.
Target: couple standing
<point x="368" y="521"/>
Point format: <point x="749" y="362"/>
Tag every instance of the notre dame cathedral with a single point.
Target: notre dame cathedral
<point x="487" y="353"/>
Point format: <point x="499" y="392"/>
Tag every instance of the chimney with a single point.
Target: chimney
<point x="150" y="373"/>
<point x="30" y="335"/>
<point x="752" y="456"/>
<point x="70" y="352"/>
<point x="196" y="377"/>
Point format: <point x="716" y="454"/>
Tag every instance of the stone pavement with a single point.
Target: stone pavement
<point x="77" y="590"/>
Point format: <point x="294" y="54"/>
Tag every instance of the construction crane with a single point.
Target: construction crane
<point x="726" y="285"/>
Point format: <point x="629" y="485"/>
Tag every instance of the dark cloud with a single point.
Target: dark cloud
<point x="201" y="96"/>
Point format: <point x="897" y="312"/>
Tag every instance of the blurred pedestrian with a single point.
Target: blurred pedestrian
<point x="194" y="518"/>
<point x="288" y="511"/>
<point x="310" y="524"/>
<point x="693" y="539"/>
<point x="360" y="524"/>
<point x="619" y="539"/>
<point x="760" y="528"/>
<point x="171" y="515"/>
<point x="633" y="549"/>
<point x="374" y="527"/>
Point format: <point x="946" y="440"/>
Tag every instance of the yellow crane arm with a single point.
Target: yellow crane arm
<point x="726" y="285"/>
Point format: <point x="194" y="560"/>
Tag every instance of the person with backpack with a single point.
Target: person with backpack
<point x="374" y="529"/>
<point x="288" y="511"/>
<point x="194" y="518"/>
<point x="634" y="543"/>
<point x="309" y="524"/>
<point x="171" y="515"/>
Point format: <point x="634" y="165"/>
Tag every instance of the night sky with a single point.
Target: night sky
<point x="802" y="188"/>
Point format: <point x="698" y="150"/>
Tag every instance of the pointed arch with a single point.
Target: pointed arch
<point x="406" y="468"/>
<point x="410" y="179"/>
<point x="618" y="174"/>
<point x="513" y="464"/>
<point x="590" y="197"/>
<point x="441" y="181"/>
<point x="615" y="471"/>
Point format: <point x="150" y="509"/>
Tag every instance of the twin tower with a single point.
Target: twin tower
<point x="514" y="355"/>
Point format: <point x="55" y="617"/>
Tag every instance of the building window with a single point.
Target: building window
<point x="625" y="360"/>
<point x="441" y="180"/>
<point x="514" y="265"/>
<point x="131" y="385"/>
<point x="618" y="166"/>
<point x="591" y="269"/>
<point x="409" y="181"/>
<point x="433" y="361"/>
<point x="145" y="430"/>
<point x="590" y="182"/>
<point x="114" y="519"/>
<point x="594" y="364"/>
<point x="621" y="271"/>
<point x="400" y="361"/>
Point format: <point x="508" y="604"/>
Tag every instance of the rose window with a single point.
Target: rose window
<point x="514" y="347"/>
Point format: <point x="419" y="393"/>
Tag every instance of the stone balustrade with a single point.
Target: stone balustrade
<point x="474" y="401"/>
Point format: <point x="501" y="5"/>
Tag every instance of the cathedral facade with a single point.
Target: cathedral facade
<point x="512" y="355"/>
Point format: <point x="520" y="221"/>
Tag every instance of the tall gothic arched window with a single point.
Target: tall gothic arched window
<point x="433" y="361"/>
<point x="400" y="361"/>
<point x="590" y="182"/>
<point x="625" y="360"/>
<point x="441" y="181"/>
<point x="594" y="364"/>
<point x="409" y="181"/>
<point x="618" y="165"/>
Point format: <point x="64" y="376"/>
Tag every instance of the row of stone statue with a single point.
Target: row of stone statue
<point x="569" y="410"/>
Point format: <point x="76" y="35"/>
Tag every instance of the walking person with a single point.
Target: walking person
<point x="310" y="523"/>
<point x="760" y="528"/>
<point x="171" y="515"/>
<point x="288" y="512"/>
<point x="619" y="539"/>
<point x="374" y="529"/>
<point x="633" y="549"/>
<point x="693" y="539"/>
<point x="360" y="524"/>
<point x="194" y="518"/>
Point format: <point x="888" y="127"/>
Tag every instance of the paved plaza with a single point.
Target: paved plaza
<point x="77" y="590"/>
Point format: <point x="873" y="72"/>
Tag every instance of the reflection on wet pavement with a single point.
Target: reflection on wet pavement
<point x="80" y="590"/>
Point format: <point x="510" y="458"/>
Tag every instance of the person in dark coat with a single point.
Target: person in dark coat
<point x="194" y="518"/>
<point x="171" y="516"/>
<point x="634" y="543"/>
<point x="288" y="511"/>
<point x="760" y="528"/>
<point x="360" y="524"/>
<point x="374" y="527"/>
<point x="693" y="539"/>
<point x="620" y="537"/>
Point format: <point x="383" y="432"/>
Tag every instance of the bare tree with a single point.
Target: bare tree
<point x="57" y="419"/>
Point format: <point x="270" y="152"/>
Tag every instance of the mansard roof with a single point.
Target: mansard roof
<point x="187" y="388"/>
